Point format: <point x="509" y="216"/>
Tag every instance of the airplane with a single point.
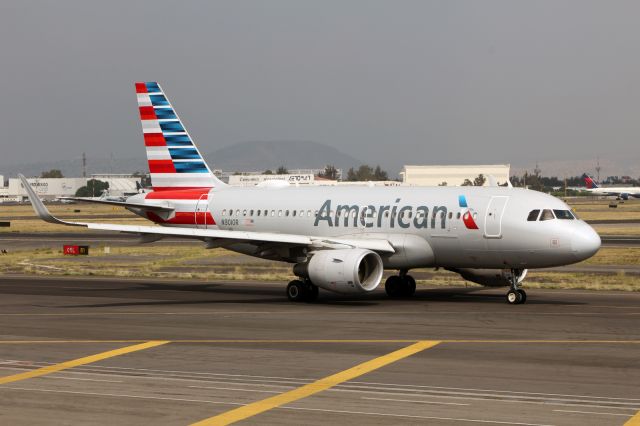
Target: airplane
<point x="619" y="192"/>
<point x="342" y="238"/>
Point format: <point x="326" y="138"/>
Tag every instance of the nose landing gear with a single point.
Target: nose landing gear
<point x="516" y="295"/>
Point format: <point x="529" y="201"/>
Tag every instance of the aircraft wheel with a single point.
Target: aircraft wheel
<point x="514" y="297"/>
<point x="523" y="295"/>
<point x="296" y="291"/>
<point x="409" y="286"/>
<point x="311" y="292"/>
<point x="394" y="286"/>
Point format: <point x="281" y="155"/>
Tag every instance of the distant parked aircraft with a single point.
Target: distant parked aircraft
<point x="620" y="192"/>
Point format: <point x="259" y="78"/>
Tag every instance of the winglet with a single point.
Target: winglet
<point x="39" y="207"/>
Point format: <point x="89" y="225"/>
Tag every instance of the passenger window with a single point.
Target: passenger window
<point x="266" y="212"/>
<point x="279" y="213"/>
<point x="294" y="213"/>
<point x="309" y="213"/>
<point x="251" y="213"/>
<point x="244" y="213"/>
<point x="259" y="211"/>
<point x="458" y="215"/>
<point x="546" y="215"/>
<point x="450" y="215"/>
<point x="237" y="212"/>
<point x="563" y="214"/>
<point x="224" y="212"/>
<point x="273" y="213"/>
<point x="533" y="215"/>
<point x="286" y="213"/>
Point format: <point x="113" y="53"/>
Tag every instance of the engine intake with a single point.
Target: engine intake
<point x="346" y="271"/>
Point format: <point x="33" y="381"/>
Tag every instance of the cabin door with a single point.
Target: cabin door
<point x="493" y="216"/>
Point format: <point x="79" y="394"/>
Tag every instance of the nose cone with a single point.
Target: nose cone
<point x="585" y="243"/>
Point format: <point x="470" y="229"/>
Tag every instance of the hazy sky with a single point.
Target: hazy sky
<point x="389" y="82"/>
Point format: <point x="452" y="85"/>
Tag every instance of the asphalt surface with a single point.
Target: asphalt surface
<point x="563" y="358"/>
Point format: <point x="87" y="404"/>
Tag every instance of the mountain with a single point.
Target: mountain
<point x="244" y="156"/>
<point x="263" y="155"/>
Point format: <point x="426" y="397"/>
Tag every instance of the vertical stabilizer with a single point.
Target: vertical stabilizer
<point x="174" y="160"/>
<point x="591" y="184"/>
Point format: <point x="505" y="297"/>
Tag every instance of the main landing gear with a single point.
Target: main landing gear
<point x="516" y="295"/>
<point x="302" y="291"/>
<point x="402" y="285"/>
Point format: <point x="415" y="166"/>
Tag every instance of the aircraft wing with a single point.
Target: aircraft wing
<point x="213" y="236"/>
<point x="125" y="204"/>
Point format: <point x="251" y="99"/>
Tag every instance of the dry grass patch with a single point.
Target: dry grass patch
<point x="615" y="256"/>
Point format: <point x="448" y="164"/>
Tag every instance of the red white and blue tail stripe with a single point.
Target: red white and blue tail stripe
<point x="588" y="180"/>
<point x="174" y="160"/>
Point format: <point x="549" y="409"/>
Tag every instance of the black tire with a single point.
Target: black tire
<point x="296" y="291"/>
<point x="394" y="286"/>
<point x="514" y="297"/>
<point x="311" y="292"/>
<point x="409" y="286"/>
<point x="523" y="295"/>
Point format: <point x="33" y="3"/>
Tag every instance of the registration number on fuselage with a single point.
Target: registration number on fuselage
<point x="230" y="222"/>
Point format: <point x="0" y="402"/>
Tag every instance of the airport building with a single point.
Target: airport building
<point x="453" y="175"/>
<point x="52" y="188"/>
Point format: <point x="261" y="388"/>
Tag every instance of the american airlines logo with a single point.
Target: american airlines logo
<point x="391" y="216"/>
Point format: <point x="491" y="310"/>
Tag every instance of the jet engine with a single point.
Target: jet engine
<point x="489" y="277"/>
<point x="343" y="270"/>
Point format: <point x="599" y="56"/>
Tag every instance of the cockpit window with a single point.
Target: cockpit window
<point x="546" y="215"/>
<point x="563" y="214"/>
<point x="533" y="215"/>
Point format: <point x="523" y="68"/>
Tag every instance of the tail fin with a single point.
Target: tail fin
<point x="591" y="184"/>
<point x="174" y="160"/>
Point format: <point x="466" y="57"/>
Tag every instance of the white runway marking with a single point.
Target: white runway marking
<point x="409" y="400"/>
<point x="454" y="419"/>
<point x="593" y="412"/>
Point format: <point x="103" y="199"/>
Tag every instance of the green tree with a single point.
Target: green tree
<point x="479" y="180"/>
<point x="365" y="173"/>
<point x="94" y="188"/>
<point x="330" y="172"/>
<point x="442" y="184"/>
<point x="53" y="173"/>
<point x="267" y="172"/>
<point x="379" y="174"/>
<point x="282" y="170"/>
<point x="467" y="182"/>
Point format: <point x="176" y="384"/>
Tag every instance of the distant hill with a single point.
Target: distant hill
<point x="244" y="156"/>
<point x="263" y="155"/>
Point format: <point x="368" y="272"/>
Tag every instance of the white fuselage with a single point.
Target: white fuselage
<point x="426" y="225"/>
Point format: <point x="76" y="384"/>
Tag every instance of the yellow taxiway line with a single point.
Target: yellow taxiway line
<point x="258" y="407"/>
<point x="80" y="361"/>
<point x="634" y="421"/>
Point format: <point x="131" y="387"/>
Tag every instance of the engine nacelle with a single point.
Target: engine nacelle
<point x="343" y="271"/>
<point x="489" y="277"/>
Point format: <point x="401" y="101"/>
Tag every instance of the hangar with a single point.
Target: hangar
<point x="452" y="175"/>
